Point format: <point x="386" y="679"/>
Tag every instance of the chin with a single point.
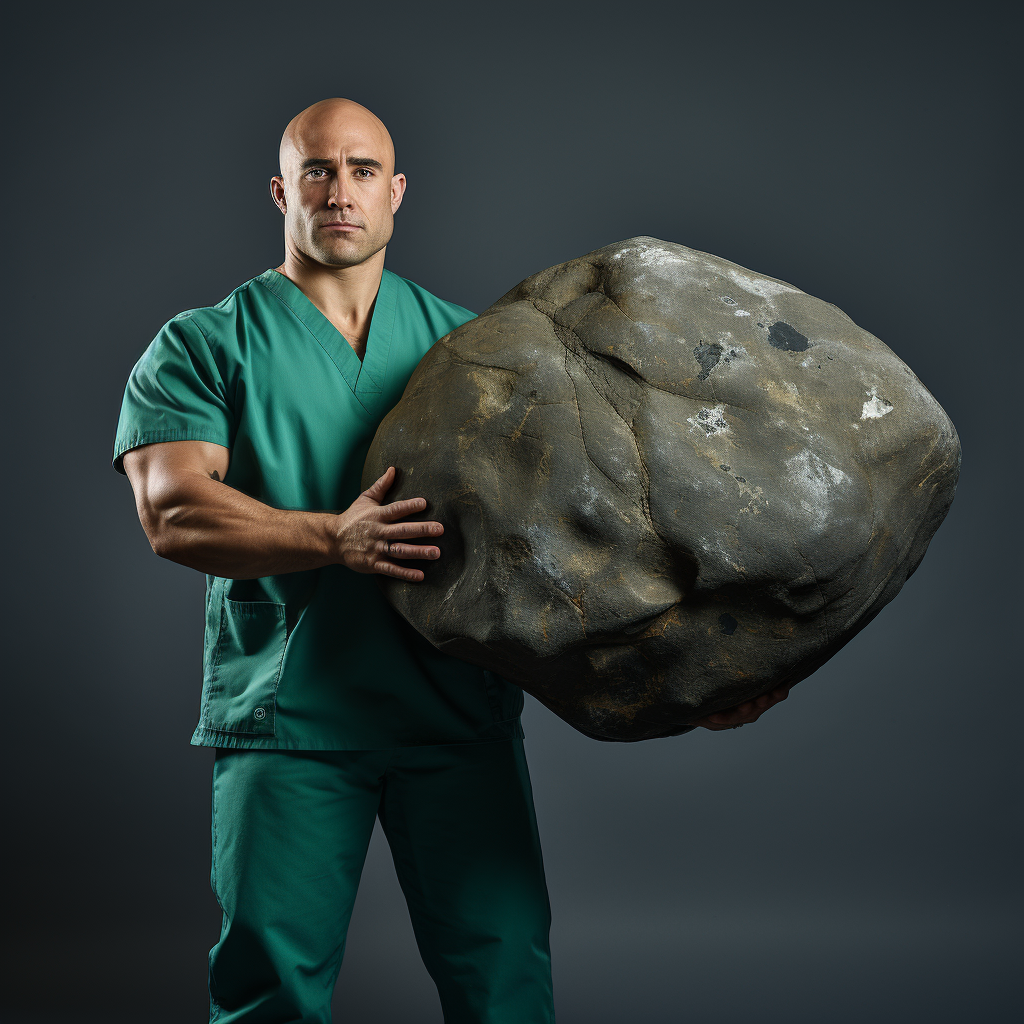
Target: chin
<point x="344" y="252"/>
<point x="341" y="258"/>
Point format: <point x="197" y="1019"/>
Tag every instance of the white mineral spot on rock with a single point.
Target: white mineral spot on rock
<point x="544" y="555"/>
<point x="648" y="255"/>
<point x="813" y="479"/>
<point x="875" y="407"/>
<point x="741" y="312"/>
<point x="590" y="496"/>
<point x="814" y="472"/>
<point x="710" y="421"/>
<point x="760" y="286"/>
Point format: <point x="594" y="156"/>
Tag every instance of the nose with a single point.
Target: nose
<point x="339" y="197"/>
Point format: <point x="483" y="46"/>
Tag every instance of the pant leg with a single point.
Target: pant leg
<point x="461" y="825"/>
<point x="290" y="833"/>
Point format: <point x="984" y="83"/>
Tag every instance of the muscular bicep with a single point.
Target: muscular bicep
<point x="162" y="474"/>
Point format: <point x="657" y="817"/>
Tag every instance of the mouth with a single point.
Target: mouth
<point x="343" y="226"/>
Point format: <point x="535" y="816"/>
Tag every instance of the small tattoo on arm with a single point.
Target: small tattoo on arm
<point x="215" y="475"/>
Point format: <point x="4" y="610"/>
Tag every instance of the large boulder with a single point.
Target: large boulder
<point x="668" y="484"/>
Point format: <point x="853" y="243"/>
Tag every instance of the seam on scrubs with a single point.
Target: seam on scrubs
<point x="139" y="438"/>
<point x="279" y="293"/>
<point x="214" y="1009"/>
<point x="218" y="595"/>
<point x="382" y="326"/>
<point x="213" y="356"/>
<point x="502" y="696"/>
<point x="204" y="736"/>
<point x="213" y="834"/>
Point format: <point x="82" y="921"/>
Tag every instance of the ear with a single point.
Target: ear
<point x="277" y="193"/>
<point x="397" y="191"/>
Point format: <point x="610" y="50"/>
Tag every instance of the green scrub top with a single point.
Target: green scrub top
<point x="313" y="660"/>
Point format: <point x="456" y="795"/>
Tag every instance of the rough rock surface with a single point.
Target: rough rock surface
<point x="668" y="484"/>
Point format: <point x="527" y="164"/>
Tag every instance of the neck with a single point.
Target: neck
<point x="345" y="295"/>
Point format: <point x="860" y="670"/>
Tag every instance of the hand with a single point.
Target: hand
<point x="742" y="714"/>
<point x="369" y="537"/>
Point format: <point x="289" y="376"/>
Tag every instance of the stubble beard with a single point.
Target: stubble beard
<point x="346" y="251"/>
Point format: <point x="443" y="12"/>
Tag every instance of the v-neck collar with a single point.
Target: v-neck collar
<point x="365" y="377"/>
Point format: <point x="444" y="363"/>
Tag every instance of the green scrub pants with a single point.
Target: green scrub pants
<point x="290" y="833"/>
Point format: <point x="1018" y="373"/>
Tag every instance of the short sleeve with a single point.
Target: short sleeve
<point x="174" y="393"/>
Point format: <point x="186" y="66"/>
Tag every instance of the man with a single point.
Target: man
<point x="243" y="430"/>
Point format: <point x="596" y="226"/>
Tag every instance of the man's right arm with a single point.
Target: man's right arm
<point x="191" y="516"/>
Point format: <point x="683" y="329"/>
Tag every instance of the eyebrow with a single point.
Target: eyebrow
<point x="352" y="161"/>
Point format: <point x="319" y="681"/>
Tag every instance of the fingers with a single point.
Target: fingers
<point x="706" y="723"/>
<point x="734" y="716"/>
<point x="745" y="713"/>
<point x="399" y="572"/>
<point x="401" y="509"/>
<point x="380" y="486"/>
<point x="403" y="551"/>
<point x="397" y="509"/>
<point x="388" y="549"/>
<point x="404" y="531"/>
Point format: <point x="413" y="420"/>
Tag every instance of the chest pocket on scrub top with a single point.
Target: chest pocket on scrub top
<point x="242" y="664"/>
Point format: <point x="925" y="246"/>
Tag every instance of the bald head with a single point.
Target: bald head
<point x="337" y="188"/>
<point x="324" y="122"/>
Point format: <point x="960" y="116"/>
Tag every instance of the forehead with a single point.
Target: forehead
<point x="328" y="134"/>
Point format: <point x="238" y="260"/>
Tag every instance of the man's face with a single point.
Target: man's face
<point x="337" y="188"/>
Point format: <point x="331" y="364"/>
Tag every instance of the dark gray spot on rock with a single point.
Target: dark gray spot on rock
<point x="707" y="356"/>
<point x="728" y="301"/>
<point x="724" y="466"/>
<point x="727" y="624"/>
<point x="789" y="339"/>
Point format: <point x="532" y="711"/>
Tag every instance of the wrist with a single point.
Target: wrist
<point x="333" y="538"/>
<point x="315" y="537"/>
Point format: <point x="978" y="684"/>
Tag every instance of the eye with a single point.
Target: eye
<point x="316" y="172"/>
<point x="365" y="171"/>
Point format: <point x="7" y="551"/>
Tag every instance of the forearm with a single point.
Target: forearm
<point x="209" y="526"/>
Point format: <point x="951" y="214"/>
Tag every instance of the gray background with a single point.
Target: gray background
<point x="851" y="857"/>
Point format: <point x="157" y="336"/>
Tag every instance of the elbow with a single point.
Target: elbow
<point x="165" y="537"/>
<point x="163" y="544"/>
